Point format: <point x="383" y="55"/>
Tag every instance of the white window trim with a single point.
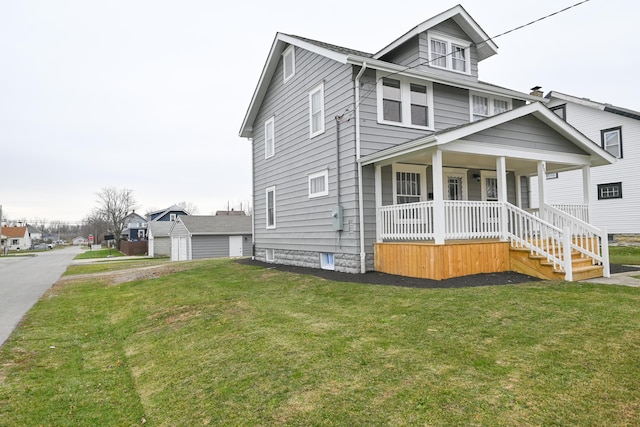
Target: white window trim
<point x="455" y="172"/>
<point x="405" y="100"/>
<point x="491" y="98"/>
<point x="273" y="139"/>
<point x="172" y="217"/>
<point x="449" y="54"/>
<point x="319" y="88"/>
<point x="483" y="182"/>
<point x="266" y="203"/>
<point x="327" y="261"/>
<point x="269" y="255"/>
<point x="325" y="175"/>
<point x="421" y="169"/>
<point x="289" y="51"/>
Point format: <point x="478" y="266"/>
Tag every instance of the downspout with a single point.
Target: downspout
<point x="363" y="255"/>
<point x="338" y="119"/>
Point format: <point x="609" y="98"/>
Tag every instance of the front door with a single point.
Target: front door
<point x="455" y="184"/>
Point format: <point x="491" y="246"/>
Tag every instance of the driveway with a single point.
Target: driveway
<point x="23" y="280"/>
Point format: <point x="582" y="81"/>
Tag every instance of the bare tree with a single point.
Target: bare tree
<point x="113" y="206"/>
<point x="190" y="207"/>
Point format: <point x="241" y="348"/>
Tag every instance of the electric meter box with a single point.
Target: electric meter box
<point x="338" y="218"/>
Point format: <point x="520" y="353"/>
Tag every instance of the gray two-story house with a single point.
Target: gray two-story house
<point x="403" y="161"/>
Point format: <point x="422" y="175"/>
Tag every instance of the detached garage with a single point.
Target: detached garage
<point x="209" y="236"/>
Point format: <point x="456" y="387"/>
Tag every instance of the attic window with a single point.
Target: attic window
<point x="449" y="53"/>
<point x="289" y="63"/>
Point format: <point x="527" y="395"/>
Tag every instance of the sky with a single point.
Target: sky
<point x="149" y="95"/>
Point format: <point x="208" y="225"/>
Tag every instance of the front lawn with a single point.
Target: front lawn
<point x="628" y="255"/>
<point x="230" y="344"/>
<point x="99" y="253"/>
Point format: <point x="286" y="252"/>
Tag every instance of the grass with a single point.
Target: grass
<point x="99" y="253"/>
<point x="628" y="255"/>
<point x="114" y="265"/>
<point x="228" y="344"/>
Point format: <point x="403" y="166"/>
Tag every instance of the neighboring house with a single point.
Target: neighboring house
<point x="77" y="241"/>
<point x="209" y="236"/>
<point x="135" y="227"/>
<point x="16" y="238"/>
<point x="389" y="161"/>
<point x="168" y="214"/>
<point x="230" y="213"/>
<point x="613" y="190"/>
<point x="34" y="234"/>
<point x="159" y="239"/>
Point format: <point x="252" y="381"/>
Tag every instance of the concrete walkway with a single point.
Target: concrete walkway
<point x="624" y="279"/>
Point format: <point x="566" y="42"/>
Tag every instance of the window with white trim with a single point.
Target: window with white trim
<point x="612" y="141"/>
<point x="483" y="106"/>
<point x="409" y="183"/>
<point x="172" y="217"/>
<point x="316" y="111"/>
<point x="269" y="138"/>
<point x="269" y="255"/>
<point x="455" y="183"/>
<point x="271" y="207"/>
<point x="319" y="184"/>
<point x="489" y="186"/>
<point x="289" y="63"/>
<point x="405" y="102"/>
<point x="610" y="191"/>
<point x="327" y="261"/>
<point x="449" y="53"/>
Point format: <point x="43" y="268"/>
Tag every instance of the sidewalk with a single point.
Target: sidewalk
<point x="625" y="279"/>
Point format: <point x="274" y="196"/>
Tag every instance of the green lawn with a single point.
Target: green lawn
<point x="113" y="265"/>
<point x="228" y="344"/>
<point x="99" y="253"/>
<point x="629" y="255"/>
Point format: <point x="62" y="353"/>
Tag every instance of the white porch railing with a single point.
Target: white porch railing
<point x="575" y="210"/>
<point x="553" y="234"/>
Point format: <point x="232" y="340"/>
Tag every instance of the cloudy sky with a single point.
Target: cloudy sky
<point x="149" y="95"/>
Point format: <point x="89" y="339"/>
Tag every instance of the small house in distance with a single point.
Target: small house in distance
<point x="210" y="236"/>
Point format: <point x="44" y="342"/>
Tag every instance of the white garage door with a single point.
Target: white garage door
<point x="179" y="248"/>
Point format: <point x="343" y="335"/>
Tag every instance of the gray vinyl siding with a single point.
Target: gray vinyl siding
<point x="304" y="223"/>
<point x="451" y="106"/>
<point x="408" y="54"/>
<point x="526" y="132"/>
<point x="162" y="246"/>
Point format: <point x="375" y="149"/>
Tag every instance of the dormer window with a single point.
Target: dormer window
<point x="289" y="63"/>
<point x="448" y="53"/>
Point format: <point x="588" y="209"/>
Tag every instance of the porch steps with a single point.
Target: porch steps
<point x="524" y="262"/>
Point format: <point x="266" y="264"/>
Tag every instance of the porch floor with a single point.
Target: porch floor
<point x="455" y="258"/>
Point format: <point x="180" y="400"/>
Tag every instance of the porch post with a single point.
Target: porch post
<point x="519" y="191"/>
<point x="439" y="230"/>
<point x="586" y="186"/>
<point x="542" y="183"/>
<point x="378" y="184"/>
<point x="501" y="172"/>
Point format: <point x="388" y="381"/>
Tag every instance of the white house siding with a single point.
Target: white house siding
<point x="620" y="216"/>
<point x="297" y="155"/>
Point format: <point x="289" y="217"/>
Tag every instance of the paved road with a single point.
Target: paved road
<point x="23" y="280"/>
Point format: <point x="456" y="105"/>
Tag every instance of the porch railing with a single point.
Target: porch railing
<point x="552" y="233"/>
<point x="575" y="210"/>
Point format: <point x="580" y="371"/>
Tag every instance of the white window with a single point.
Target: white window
<point x="269" y="255"/>
<point x="409" y="183"/>
<point x="140" y="234"/>
<point x="327" y="261"/>
<point x="483" y="106"/>
<point x="269" y="138"/>
<point x="319" y="184"/>
<point x="455" y="184"/>
<point x="172" y="217"/>
<point x="612" y="141"/>
<point x="405" y="102"/>
<point x="289" y="63"/>
<point x="489" y="186"/>
<point x="449" y="53"/>
<point x="271" y="207"/>
<point x="316" y="111"/>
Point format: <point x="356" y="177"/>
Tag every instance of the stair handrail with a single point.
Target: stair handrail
<point x="539" y="236"/>
<point x="582" y="235"/>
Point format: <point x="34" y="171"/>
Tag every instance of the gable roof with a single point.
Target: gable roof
<point x="159" y="228"/>
<point x="486" y="47"/>
<point x="162" y="212"/>
<point x="597" y="154"/>
<point x="216" y="225"/>
<point x="343" y="55"/>
<point x="595" y="105"/>
<point x="14" y="232"/>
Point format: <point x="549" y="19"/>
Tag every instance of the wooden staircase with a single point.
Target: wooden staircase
<point x="522" y="261"/>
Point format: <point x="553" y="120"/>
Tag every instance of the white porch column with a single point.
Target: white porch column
<point x="439" y="230"/>
<point x="378" y="184"/>
<point x="586" y="187"/>
<point x="501" y="173"/>
<point x="542" y="183"/>
<point x="519" y="191"/>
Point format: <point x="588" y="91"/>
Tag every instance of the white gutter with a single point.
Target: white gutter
<point x="363" y="255"/>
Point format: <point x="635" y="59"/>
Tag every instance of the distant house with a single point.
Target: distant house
<point x="168" y="214"/>
<point x="613" y="191"/>
<point x="135" y="227"/>
<point x="230" y="213"/>
<point x="209" y="236"/>
<point x="34" y="233"/>
<point x="16" y="238"/>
